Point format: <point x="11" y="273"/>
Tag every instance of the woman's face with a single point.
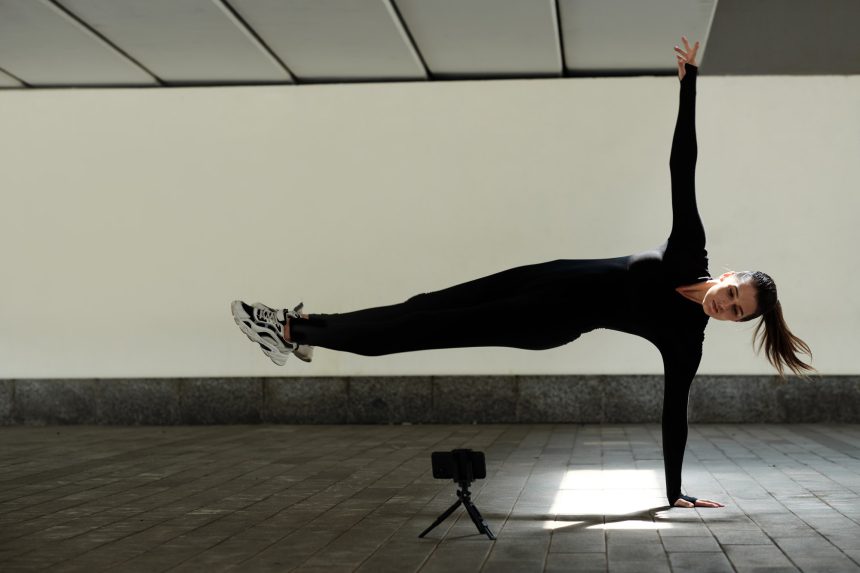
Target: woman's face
<point x="730" y="299"/>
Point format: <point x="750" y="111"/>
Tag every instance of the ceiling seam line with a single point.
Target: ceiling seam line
<point x="560" y="38"/>
<point x="393" y="5"/>
<point x="262" y="44"/>
<point x="148" y="86"/>
<point x="14" y="77"/>
<point x="104" y="39"/>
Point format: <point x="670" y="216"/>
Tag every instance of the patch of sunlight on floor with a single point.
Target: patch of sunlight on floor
<point x="609" y="499"/>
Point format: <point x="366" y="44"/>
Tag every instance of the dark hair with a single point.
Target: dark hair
<point x="781" y="346"/>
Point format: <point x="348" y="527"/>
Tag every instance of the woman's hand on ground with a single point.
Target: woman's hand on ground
<point x="699" y="503"/>
<point x="687" y="56"/>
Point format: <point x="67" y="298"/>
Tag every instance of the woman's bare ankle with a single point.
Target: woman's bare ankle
<point x="286" y="332"/>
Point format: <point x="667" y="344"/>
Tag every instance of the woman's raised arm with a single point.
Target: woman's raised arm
<point x="687" y="230"/>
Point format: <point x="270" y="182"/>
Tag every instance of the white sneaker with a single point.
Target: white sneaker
<point x="265" y="326"/>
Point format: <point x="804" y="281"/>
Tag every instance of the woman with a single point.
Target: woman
<point x="664" y="295"/>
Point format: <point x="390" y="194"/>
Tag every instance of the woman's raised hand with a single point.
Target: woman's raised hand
<point x="687" y="56"/>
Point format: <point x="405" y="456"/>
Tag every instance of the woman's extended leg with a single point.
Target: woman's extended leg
<point x="470" y="293"/>
<point x="489" y="311"/>
<point x="488" y="324"/>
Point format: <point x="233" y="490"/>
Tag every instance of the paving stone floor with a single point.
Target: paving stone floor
<point x="354" y="498"/>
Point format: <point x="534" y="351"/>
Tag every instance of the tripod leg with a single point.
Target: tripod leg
<point x="442" y="517"/>
<point x="478" y="519"/>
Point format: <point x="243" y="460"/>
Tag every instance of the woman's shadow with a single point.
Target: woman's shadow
<point x="586" y="521"/>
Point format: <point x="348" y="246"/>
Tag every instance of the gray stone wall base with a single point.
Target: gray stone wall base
<point x="423" y="400"/>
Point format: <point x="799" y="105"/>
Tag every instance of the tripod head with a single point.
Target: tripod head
<point x="463" y="466"/>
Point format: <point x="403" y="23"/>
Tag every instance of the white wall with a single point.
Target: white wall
<point x="131" y="218"/>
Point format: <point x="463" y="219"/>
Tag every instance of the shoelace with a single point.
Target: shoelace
<point x="270" y="316"/>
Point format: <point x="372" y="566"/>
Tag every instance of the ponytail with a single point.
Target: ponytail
<point x="780" y="344"/>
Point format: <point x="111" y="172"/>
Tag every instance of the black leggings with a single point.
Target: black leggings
<point x="533" y="307"/>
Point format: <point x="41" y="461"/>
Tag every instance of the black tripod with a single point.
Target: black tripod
<point x="458" y="464"/>
<point x="463" y="495"/>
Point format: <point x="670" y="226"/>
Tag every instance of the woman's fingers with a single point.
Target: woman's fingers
<point x="688" y="55"/>
<point x="689" y="52"/>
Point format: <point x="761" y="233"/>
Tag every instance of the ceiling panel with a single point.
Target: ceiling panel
<point x="620" y="36"/>
<point x="332" y="40"/>
<point x="483" y="38"/>
<point x="182" y="41"/>
<point x="43" y="46"/>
